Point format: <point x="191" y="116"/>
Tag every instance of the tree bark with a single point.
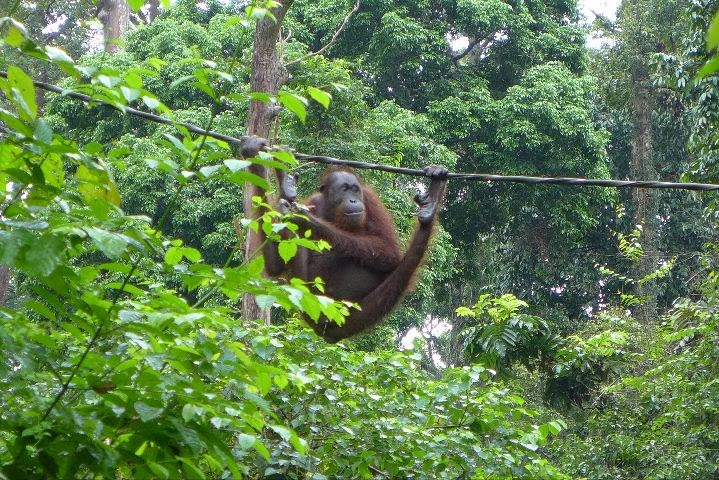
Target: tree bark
<point x="268" y="75"/>
<point x="643" y="200"/>
<point x="153" y="10"/>
<point x="5" y="278"/>
<point x="115" y="18"/>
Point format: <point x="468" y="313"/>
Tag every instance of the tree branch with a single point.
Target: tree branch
<point x="482" y="42"/>
<point x="344" y="24"/>
<point x="50" y="37"/>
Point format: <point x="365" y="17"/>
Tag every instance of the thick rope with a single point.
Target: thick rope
<point x="480" y="177"/>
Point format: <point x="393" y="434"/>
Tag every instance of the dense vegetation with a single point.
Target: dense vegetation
<point x="555" y="332"/>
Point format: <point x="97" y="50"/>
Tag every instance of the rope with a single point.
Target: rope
<point x="480" y="177"/>
<point x="132" y="111"/>
<point x="484" y="177"/>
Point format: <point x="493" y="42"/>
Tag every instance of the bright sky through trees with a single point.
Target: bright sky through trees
<point x="604" y="7"/>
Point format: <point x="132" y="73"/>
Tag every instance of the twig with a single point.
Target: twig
<point x="377" y="471"/>
<point x="332" y="41"/>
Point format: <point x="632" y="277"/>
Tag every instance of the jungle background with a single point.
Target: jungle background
<point x="554" y="332"/>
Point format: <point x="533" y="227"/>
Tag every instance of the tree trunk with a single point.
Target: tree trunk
<point x="153" y="10"/>
<point x="643" y="200"/>
<point x="115" y="18"/>
<point x="455" y="350"/>
<point x="5" y="278"/>
<point x="268" y="75"/>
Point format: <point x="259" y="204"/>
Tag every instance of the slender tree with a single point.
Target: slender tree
<point x="268" y="75"/>
<point x="643" y="26"/>
<point x="115" y="18"/>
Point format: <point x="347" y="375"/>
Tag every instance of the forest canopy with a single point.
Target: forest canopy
<point x="553" y="332"/>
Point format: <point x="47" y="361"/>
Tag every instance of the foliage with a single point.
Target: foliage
<point x="570" y="368"/>
<point x="503" y="336"/>
<point x="712" y="44"/>
<point x="402" y="49"/>
<point x="106" y="370"/>
<point x="122" y="354"/>
<point x="658" y="420"/>
<point x="186" y="52"/>
<point x="696" y="94"/>
<point x="669" y="408"/>
<point x="528" y="238"/>
<point x="630" y="248"/>
<point x="365" y="415"/>
<point x="582" y="366"/>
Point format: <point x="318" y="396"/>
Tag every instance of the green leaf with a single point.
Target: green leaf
<point x="192" y="254"/>
<point x="191" y="470"/>
<point x="43" y="257"/>
<point x="155" y="62"/>
<point x="281" y="381"/>
<point x="141" y="449"/>
<point x="268" y="160"/>
<point x="464" y="312"/>
<point x="130" y="94"/>
<point x="283" y="432"/>
<point x="710" y="67"/>
<point x="319" y="96"/>
<point x="311" y="306"/>
<point x="261" y="97"/>
<point x="57" y="55"/>
<point x="263" y="382"/>
<point x="236" y="165"/>
<point x="109" y="80"/>
<point x="152" y="103"/>
<point x="22" y="85"/>
<point x="295" y="104"/>
<point x="265" y="301"/>
<point x="299" y="444"/>
<point x="262" y="450"/>
<point x="41" y="309"/>
<point x="242" y="176"/>
<point x="246" y="441"/>
<point x="287" y="250"/>
<point x="30" y="224"/>
<point x="173" y="255"/>
<point x="713" y="33"/>
<point x="52" y="171"/>
<point x="43" y="132"/>
<point x="156" y="468"/>
<point x="181" y="80"/>
<point x="188" y="412"/>
<point x="147" y="412"/>
<point x="284" y="156"/>
<point x="136" y="5"/>
<point x="177" y="143"/>
<point x="133" y="80"/>
<point x="208" y="170"/>
<point x="16" y="34"/>
<point x="555" y="427"/>
<point x="113" y="245"/>
<point x="207" y="89"/>
<point x="96" y="184"/>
